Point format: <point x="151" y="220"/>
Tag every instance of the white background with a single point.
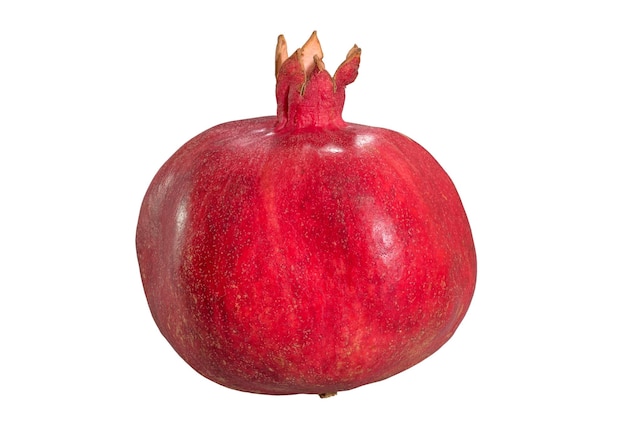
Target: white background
<point x="523" y="103"/>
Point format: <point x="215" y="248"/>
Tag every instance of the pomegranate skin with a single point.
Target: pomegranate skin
<point x="282" y="255"/>
<point x="306" y="262"/>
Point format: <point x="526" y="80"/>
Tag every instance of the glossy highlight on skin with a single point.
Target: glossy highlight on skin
<point x="299" y="253"/>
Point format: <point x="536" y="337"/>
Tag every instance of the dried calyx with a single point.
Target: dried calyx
<point x="306" y="94"/>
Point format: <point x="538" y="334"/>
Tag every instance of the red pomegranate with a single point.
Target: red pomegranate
<point x="299" y="253"/>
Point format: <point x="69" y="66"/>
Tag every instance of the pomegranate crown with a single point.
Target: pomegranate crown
<point x="306" y="94"/>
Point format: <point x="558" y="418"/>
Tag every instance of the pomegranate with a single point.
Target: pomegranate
<point x="299" y="253"/>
